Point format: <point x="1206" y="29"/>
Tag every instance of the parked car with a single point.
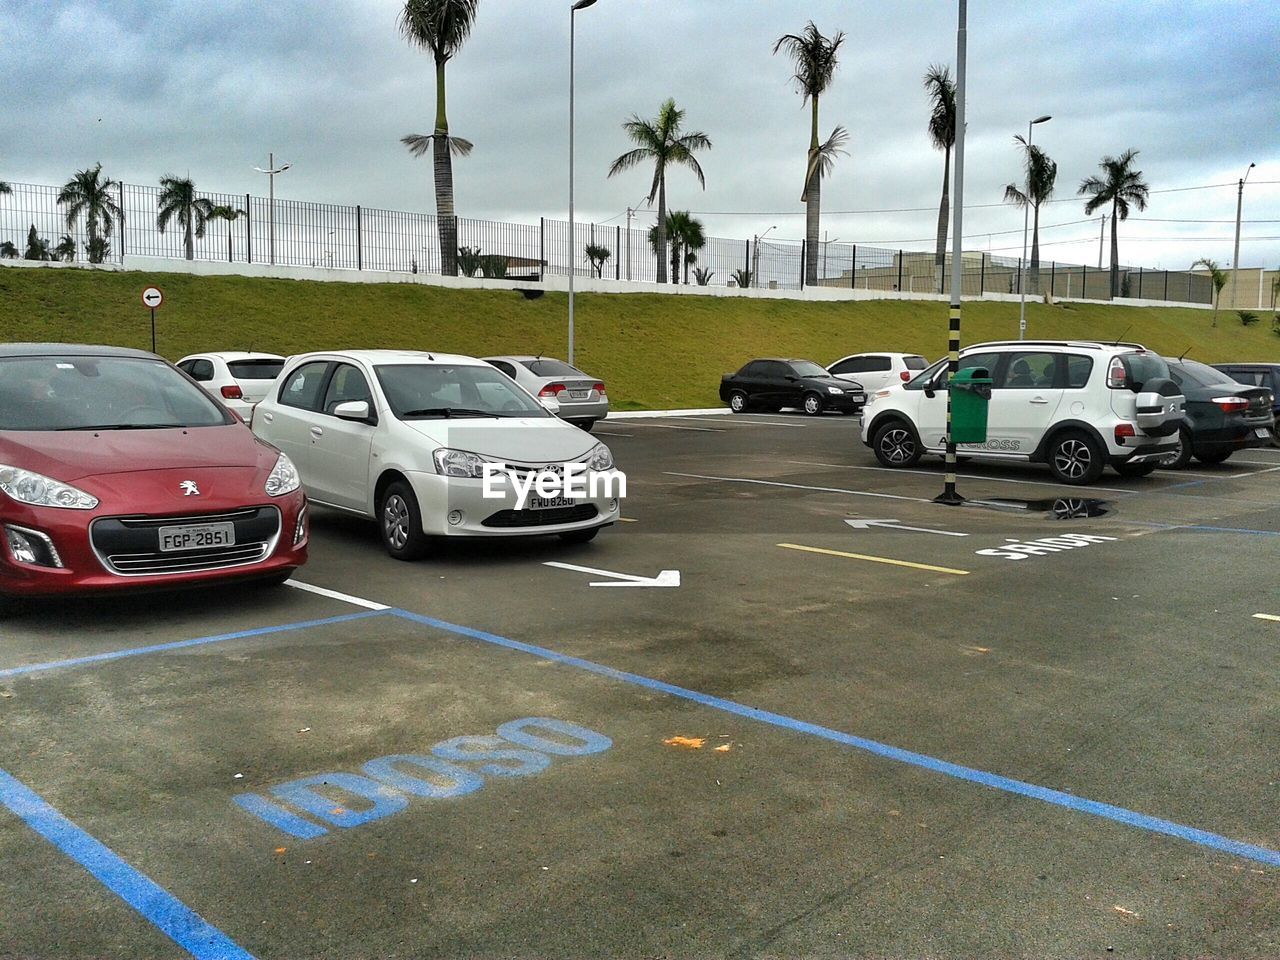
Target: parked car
<point x="774" y="384"/>
<point x="582" y="398"/>
<point x="1266" y="375"/>
<point x="238" y="379"/>
<point x="874" y="371"/>
<point x="1223" y="416"/>
<point x="1076" y="406"/>
<point x="403" y="438"/>
<point x="117" y="472"/>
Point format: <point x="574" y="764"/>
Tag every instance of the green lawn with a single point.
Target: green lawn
<point x="653" y="351"/>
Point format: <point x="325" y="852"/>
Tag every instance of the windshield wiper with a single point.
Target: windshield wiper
<point x="447" y="413"/>
<point x="127" y="426"/>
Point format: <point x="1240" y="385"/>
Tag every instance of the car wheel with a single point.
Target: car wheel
<point x="1217" y="456"/>
<point x="812" y="404"/>
<point x="400" y="522"/>
<point x="895" y="445"/>
<point x="1075" y="458"/>
<point x="580" y="536"/>
<point x="1136" y="469"/>
<point x="1182" y="455"/>
<point x="584" y="424"/>
<point x="738" y="402"/>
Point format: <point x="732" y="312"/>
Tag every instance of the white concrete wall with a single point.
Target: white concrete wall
<point x="216" y="268"/>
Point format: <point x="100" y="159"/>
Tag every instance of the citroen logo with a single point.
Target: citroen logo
<point x="189" y="488"/>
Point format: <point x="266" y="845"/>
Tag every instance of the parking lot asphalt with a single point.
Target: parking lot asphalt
<point x="960" y="732"/>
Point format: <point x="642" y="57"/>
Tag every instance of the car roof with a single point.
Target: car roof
<point x="71" y="350"/>
<point x="235" y="355"/>
<point x="391" y="356"/>
<point x="523" y="359"/>
<point x="1246" y="363"/>
<point x="1078" y="344"/>
<point x="878" y="353"/>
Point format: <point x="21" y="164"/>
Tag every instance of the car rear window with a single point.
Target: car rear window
<point x="915" y="363"/>
<point x="1199" y="374"/>
<point x="1142" y="367"/>
<point x="552" y="368"/>
<point x="255" y="369"/>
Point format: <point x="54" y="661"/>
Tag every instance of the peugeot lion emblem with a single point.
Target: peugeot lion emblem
<point x="189" y="488"/>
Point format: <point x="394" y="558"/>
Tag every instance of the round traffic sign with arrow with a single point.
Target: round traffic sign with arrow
<point x="152" y="297"/>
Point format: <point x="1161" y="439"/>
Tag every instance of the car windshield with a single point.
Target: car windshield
<point x="915" y="363"/>
<point x="1198" y="374"/>
<point x="264" y="369"/>
<point x="552" y="368"/>
<point x="422" y="391"/>
<point x="100" y="393"/>
<point x="807" y="368"/>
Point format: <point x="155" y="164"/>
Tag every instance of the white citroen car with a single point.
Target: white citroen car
<point x="407" y="438"/>
<point x="238" y="379"/>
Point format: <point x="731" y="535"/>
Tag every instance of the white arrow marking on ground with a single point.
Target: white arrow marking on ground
<point x="667" y="578"/>
<point x="897" y="525"/>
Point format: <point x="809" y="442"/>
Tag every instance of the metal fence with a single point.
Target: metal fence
<point x="297" y="233"/>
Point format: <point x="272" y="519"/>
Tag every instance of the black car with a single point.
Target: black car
<point x="1265" y="375"/>
<point x="774" y="384"/>
<point x="1223" y="416"/>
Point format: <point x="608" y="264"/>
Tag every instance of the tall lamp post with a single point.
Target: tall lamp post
<point x="755" y="256"/>
<point x="573" y="255"/>
<point x="1235" y="256"/>
<point x="1026" y="209"/>
<point x="271" y="172"/>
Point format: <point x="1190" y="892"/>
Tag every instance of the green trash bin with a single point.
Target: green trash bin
<point x="970" y="394"/>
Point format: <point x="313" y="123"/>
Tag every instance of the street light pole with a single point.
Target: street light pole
<point x="1026" y="209"/>
<point x="271" y="172"/>
<point x="1235" y="256"/>
<point x="755" y="257"/>
<point x="573" y="256"/>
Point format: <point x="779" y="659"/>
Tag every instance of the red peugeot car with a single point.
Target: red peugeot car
<point x="117" y="472"/>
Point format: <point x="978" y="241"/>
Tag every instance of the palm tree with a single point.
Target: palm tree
<point x="178" y="199"/>
<point x="441" y="26"/>
<point x="8" y="251"/>
<point x="661" y="141"/>
<point x="1041" y="173"/>
<point x="942" y="133"/>
<point x="66" y="249"/>
<point x="597" y="255"/>
<point x="1219" y="278"/>
<point x="230" y="215"/>
<point x="89" y="193"/>
<point x="685" y="236"/>
<point x="37" y="246"/>
<point x="5" y="188"/>
<point x="815" y="60"/>
<point x="1121" y="186"/>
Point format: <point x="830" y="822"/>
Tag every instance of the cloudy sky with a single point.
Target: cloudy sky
<point x="150" y="87"/>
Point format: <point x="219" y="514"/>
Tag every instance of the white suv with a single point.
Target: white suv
<point x="1075" y="406"/>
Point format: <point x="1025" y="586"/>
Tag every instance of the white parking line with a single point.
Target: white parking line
<point x="672" y="426"/>
<point x="939" y="474"/>
<point x="742" y="422"/>
<point x="335" y="595"/>
<point x="799" y="486"/>
<point x="606" y="433"/>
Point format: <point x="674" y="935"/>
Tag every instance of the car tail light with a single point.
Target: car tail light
<point x="232" y="392"/>
<point x="598" y="388"/>
<point x="1231" y="404"/>
<point x="1117" y="377"/>
<point x="552" y="390"/>
<point x="1124" y="430"/>
<point x="905" y="375"/>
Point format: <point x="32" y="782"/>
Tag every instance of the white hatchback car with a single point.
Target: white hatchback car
<point x="238" y="379"/>
<point x="875" y="371"/>
<point x="404" y="437"/>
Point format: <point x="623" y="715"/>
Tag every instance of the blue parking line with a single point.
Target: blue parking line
<point x="994" y="781"/>
<point x="181" y="644"/>
<point x="152" y="902"/>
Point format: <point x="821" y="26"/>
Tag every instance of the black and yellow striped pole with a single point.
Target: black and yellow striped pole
<point x="949" y="494"/>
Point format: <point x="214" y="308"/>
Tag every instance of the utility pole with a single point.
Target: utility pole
<point x="1102" y="232"/>
<point x="271" y="172"/>
<point x="949" y="495"/>
<point x="1235" y="256"/>
<point x="630" y="214"/>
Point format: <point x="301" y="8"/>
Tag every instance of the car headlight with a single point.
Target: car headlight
<point x="834" y="390"/>
<point x="284" y="478"/>
<point x="458" y="463"/>
<point x="600" y="458"/>
<point x="40" y="491"/>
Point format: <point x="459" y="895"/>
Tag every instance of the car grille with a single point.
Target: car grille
<point x="129" y="546"/>
<point x="541" y="518"/>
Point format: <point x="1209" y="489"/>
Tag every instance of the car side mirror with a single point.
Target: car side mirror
<point x="357" y="410"/>
<point x="551" y="404"/>
<point x="792" y="378"/>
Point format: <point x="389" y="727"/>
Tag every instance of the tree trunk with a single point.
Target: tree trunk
<point x="944" y="217"/>
<point x="229" y="251"/>
<point x="92" y="231"/>
<point x="662" y="227"/>
<point x="188" y="245"/>
<point x="813" y="203"/>
<point x="1035" y="250"/>
<point x="1115" y="256"/>
<point x="446" y="222"/>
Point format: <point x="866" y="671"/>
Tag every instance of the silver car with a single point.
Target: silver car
<point x="582" y="398"/>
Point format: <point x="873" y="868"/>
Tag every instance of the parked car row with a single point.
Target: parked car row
<point x="118" y="471"/>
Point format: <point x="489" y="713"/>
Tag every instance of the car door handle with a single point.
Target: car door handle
<point x="269" y="417"/>
<point x="1039" y="400"/>
<point x="317" y="432"/>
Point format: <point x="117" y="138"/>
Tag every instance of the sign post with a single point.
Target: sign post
<point x="152" y="298"/>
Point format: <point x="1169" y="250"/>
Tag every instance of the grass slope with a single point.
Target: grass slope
<point x="653" y="351"/>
